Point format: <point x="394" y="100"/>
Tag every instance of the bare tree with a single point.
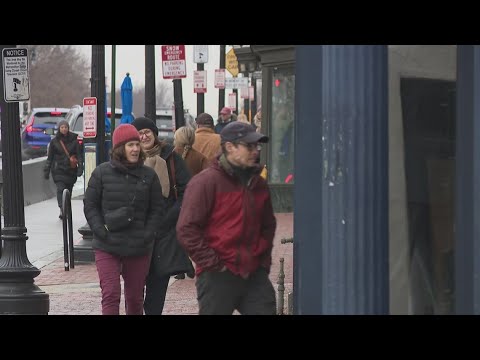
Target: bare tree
<point x="59" y="76"/>
<point x="164" y="92"/>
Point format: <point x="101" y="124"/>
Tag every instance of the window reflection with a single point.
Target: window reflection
<point x="282" y="126"/>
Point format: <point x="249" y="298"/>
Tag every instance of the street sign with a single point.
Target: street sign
<point x="231" y="63"/>
<point x="16" y="83"/>
<point x="251" y="92"/>
<point x="220" y="78"/>
<point x="244" y="94"/>
<point x="257" y="75"/>
<point x="173" y="62"/>
<point x="232" y="101"/>
<point x="89" y="117"/>
<point x="200" y="53"/>
<point x="200" y="81"/>
<point x="236" y="83"/>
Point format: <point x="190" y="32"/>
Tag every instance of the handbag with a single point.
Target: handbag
<point x="119" y="218"/>
<point x="72" y="158"/>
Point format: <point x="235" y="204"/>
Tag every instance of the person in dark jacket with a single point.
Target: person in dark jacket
<point x="58" y="161"/>
<point x="227" y="226"/>
<point x="178" y="176"/>
<point x="226" y="117"/>
<point x="123" y="205"/>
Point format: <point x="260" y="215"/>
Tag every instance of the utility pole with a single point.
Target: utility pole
<point x="84" y="249"/>
<point x="18" y="292"/>
<point x="98" y="91"/>
<point x="200" y="96"/>
<point x="150" y="99"/>
<point x="112" y="90"/>
<point x="178" y="100"/>
<point x="221" y="92"/>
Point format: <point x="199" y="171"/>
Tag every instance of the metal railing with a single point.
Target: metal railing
<point x="281" y="285"/>
<point x="68" y="257"/>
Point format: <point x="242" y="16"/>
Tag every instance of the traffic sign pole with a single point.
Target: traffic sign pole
<point x="221" y="92"/>
<point x="200" y="95"/>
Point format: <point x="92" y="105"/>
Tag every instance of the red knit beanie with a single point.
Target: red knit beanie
<point x="123" y="134"/>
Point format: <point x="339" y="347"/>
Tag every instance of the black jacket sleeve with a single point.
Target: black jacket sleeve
<point x="157" y="207"/>
<point x="92" y="204"/>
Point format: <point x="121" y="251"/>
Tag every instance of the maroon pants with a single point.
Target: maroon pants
<point x="134" y="270"/>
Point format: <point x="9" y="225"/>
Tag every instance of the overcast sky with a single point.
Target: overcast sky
<point x="131" y="59"/>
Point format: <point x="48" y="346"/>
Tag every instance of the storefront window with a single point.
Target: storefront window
<point x="422" y="171"/>
<point x="282" y="126"/>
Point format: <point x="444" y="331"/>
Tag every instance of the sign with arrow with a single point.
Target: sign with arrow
<point x="89" y="117"/>
<point x="200" y="53"/>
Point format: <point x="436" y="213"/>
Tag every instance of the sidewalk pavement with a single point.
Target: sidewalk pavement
<point x="77" y="292"/>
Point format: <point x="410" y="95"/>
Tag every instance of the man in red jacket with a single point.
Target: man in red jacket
<point x="227" y="226"/>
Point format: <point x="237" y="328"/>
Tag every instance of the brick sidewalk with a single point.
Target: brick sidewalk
<point x="76" y="292"/>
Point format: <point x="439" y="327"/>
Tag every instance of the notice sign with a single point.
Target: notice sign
<point x="173" y="62"/>
<point x="220" y="78"/>
<point x="89" y="117"/>
<point x="200" y="81"/>
<point x="16" y="83"/>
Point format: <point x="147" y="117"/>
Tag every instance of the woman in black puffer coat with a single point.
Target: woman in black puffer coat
<point x="123" y="205"/>
<point x="64" y="176"/>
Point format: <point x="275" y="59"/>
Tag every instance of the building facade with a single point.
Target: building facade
<point x="366" y="139"/>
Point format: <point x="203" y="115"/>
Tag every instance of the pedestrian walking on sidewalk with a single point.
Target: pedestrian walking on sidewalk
<point x="183" y="141"/>
<point x="206" y="140"/>
<point x="225" y="118"/>
<point x="168" y="258"/>
<point x="123" y="205"/>
<point x="63" y="147"/>
<point x="227" y="226"/>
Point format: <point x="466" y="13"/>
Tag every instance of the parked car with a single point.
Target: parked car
<point x="164" y="122"/>
<point x="35" y="135"/>
<point x="75" y="120"/>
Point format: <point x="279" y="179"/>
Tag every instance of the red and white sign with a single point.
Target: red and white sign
<point x="200" y="81"/>
<point x="89" y="117"/>
<point x="251" y="92"/>
<point x="244" y="94"/>
<point x="232" y="101"/>
<point x="173" y="62"/>
<point x="220" y="78"/>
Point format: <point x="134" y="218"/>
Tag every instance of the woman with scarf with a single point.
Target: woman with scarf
<point x="168" y="257"/>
